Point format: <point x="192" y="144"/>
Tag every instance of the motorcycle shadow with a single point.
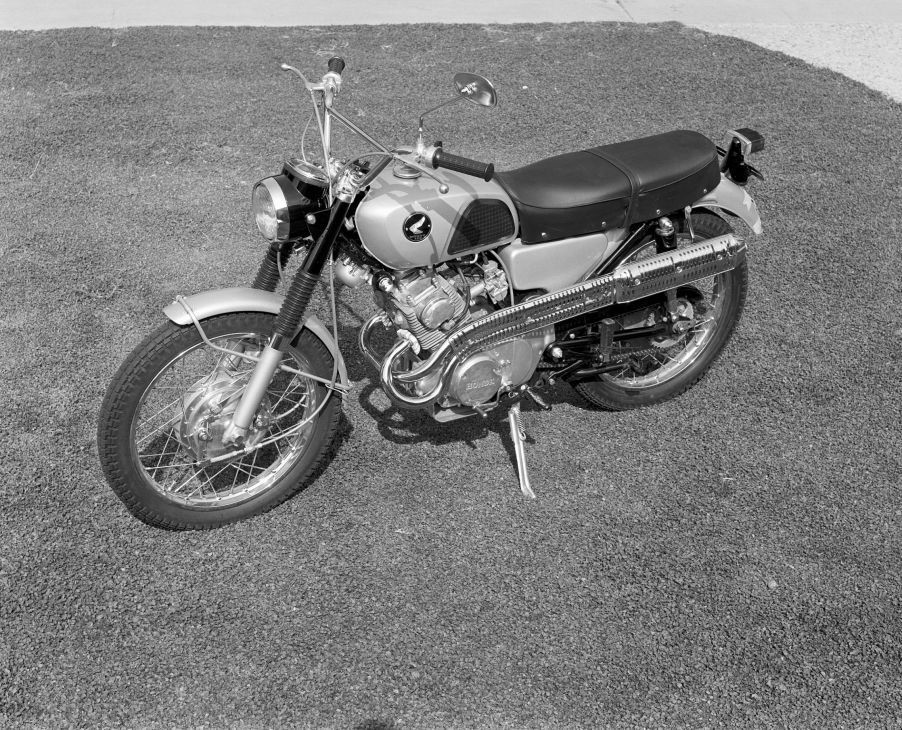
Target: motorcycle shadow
<point x="410" y="427"/>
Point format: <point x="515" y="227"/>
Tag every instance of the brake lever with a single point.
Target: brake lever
<point x="307" y="84"/>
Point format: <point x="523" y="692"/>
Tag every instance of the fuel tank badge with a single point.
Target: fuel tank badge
<point x="417" y="227"/>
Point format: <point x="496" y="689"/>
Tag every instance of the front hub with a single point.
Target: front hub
<point x="207" y="410"/>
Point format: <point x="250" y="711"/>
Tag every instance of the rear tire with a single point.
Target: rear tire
<point x="724" y="295"/>
<point x="168" y="404"/>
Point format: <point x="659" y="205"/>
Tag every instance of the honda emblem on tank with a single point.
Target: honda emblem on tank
<point x="417" y="227"/>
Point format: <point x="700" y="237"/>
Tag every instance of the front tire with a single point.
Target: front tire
<point x="161" y="423"/>
<point x="670" y="371"/>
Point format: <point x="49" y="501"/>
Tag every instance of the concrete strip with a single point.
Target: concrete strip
<point x="869" y="53"/>
<point x="44" y="14"/>
<point x="701" y="12"/>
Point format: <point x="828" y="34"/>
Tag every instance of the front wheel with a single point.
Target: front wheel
<point x="669" y="366"/>
<point x="160" y="430"/>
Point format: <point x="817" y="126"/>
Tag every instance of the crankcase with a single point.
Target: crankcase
<point x="479" y="378"/>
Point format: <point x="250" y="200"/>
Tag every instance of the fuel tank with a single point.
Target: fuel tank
<point x="407" y="223"/>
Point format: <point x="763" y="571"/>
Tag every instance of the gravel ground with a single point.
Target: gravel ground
<point x="731" y="558"/>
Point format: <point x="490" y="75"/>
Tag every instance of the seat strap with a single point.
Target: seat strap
<point x="634" y="181"/>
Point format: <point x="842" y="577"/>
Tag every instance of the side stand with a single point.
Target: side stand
<point x="518" y="436"/>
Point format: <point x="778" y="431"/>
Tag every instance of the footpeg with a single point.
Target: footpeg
<point x="518" y="436"/>
<point x="538" y="400"/>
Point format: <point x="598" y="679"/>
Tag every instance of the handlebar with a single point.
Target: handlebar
<point x="436" y="156"/>
<point x="331" y="78"/>
<point x="484" y="170"/>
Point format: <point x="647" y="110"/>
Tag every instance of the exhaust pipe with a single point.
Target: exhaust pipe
<point x="635" y="281"/>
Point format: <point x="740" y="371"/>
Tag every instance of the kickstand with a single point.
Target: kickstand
<point x="518" y="436"/>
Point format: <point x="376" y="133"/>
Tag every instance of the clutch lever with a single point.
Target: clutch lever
<point x="307" y="84"/>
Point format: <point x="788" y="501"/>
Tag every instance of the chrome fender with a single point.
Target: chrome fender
<point x="730" y="197"/>
<point x="244" y="299"/>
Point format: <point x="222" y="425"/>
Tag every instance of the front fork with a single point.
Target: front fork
<point x="288" y="320"/>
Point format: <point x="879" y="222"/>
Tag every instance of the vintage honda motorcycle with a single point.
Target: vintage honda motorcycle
<point x="611" y="268"/>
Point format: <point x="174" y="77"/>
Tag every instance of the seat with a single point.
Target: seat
<point x="611" y="186"/>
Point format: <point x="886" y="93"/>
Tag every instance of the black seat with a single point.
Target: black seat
<point x="611" y="186"/>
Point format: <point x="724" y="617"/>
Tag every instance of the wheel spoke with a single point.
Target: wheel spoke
<point x="208" y="481"/>
<point x="701" y="323"/>
<point x="254" y="461"/>
<point x="158" y="430"/>
<point x="187" y="464"/>
<point x="164" y="408"/>
<point x="707" y="309"/>
<point x="654" y="368"/>
<point x="154" y="456"/>
<point x="246" y="470"/>
<point x="199" y="389"/>
<point x="176" y="490"/>
<point x="296" y="384"/>
<point x="168" y="439"/>
<point x="235" y="478"/>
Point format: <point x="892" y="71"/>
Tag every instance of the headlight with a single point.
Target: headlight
<point x="265" y="210"/>
<point x="279" y="208"/>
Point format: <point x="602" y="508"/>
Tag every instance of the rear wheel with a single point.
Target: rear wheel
<point x="709" y="312"/>
<point x="161" y="424"/>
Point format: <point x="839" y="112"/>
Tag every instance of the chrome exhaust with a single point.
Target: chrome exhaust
<point x="642" y="279"/>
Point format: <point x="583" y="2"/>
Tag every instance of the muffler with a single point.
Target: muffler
<point x="641" y="279"/>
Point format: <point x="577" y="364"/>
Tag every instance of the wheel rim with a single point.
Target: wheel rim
<point x="654" y="368"/>
<point x="184" y="409"/>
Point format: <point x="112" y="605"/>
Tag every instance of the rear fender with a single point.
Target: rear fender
<point x="729" y="197"/>
<point x="244" y="299"/>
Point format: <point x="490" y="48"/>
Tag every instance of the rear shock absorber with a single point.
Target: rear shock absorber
<point x="665" y="235"/>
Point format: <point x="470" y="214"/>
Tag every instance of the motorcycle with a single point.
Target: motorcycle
<point x="614" y="269"/>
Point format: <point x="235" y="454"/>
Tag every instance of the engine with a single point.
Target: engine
<point x="429" y="304"/>
<point x="424" y="303"/>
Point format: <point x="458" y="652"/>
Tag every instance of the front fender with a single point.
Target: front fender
<point x="244" y="299"/>
<point x="733" y="199"/>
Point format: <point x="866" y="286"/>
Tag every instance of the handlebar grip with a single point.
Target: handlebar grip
<point x="484" y="170"/>
<point x="336" y="65"/>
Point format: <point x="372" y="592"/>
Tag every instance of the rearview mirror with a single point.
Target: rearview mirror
<point x="475" y="88"/>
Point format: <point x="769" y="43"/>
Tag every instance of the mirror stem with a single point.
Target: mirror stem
<point x="444" y="103"/>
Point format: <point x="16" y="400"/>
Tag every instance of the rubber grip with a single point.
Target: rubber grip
<point x="484" y="170"/>
<point x="336" y="65"/>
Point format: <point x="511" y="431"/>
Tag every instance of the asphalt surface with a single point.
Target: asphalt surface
<point x="731" y="558"/>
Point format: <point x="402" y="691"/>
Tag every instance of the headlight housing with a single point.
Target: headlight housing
<point x="266" y="212"/>
<point x="281" y="202"/>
